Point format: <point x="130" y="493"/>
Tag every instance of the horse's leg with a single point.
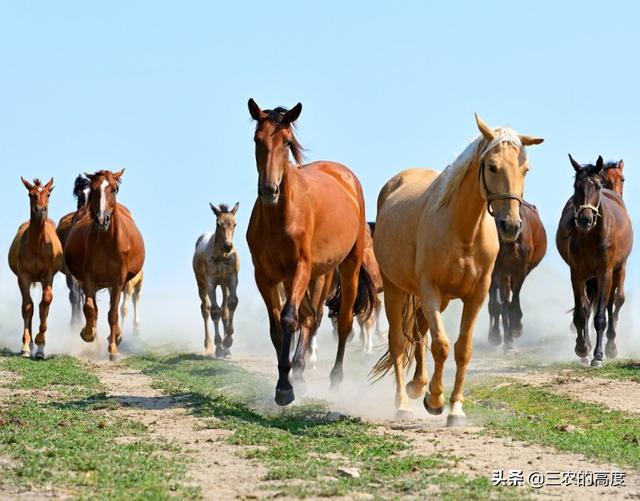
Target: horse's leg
<point x="124" y="309"/>
<point x="515" y="310"/>
<point x="505" y="306"/>
<point x="600" y="320"/>
<point x="271" y="297"/>
<point x="115" y="335"/>
<point x="308" y="319"/>
<point x="216" y="315"/>
<point x="462" y="351"/>
<point x="230" y="303"/>
<point x="433" y="400"/>
<point x="494" y="313"/>
<point x="135" y="300"/>
<point x="415" y="387"/>
<point x="581" y="311"/>
<point x="610" y="349"/>
<point x="75" y="298"/>
<point x="27" y="315"/>
<point x="393" y="305"/>
<point x="378" y="310"/>
<point x="619" y="296"/>
<point x="90" y="310"/>
<point x="205" y="310"/>
<point x="47" y="297"/>
<point x="289" y="325"/>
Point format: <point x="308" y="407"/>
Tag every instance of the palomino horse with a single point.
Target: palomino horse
<point x="104" y="250"/>
<point x="594" y="238"/>
<point x="81" y="193"/>
<point x="216" y="264"/>
<point x="367" y="323"/>
<point x="514" y="262"/>
<point x="307" y="220"/>
<point x="132" y="290"/>
<point x="435" y="241"/>
<point x="35" y="256"/>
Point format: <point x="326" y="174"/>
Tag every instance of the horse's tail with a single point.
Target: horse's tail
<point x="410" y="335"/>
<point x="365" y="298"/>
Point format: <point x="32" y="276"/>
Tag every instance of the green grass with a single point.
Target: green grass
<point x="303" y="446"/>
<point x="536" y="415"/>
<point x="628" y="370"/>
<point x="59" y="431"/>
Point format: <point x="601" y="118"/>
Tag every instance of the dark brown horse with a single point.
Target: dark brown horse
<point x="594" y="238"/>
<point x="35" y="256"/>
<point x="81" y="193"/>
<point x="104" y="250"/>
<point x="307" y="221"/>
<point x="514" y="262"/>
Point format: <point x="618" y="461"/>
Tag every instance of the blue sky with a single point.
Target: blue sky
<point x="160" y="88"/>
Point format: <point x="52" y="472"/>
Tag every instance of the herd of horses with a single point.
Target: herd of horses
<point x="464" y="233"/>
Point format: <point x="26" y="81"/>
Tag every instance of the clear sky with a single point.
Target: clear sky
<point x="160" y="88"/>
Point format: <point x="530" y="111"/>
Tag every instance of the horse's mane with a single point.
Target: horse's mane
<point x="224" y="208"/>
<point x="37" y="182"/>
<point x="80" y="184"/>
<point x="275" y="116"/>
<point x="104" y="172"/>
<point x="448" y="182"/>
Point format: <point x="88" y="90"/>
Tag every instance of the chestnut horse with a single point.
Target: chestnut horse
<point x="594" y="238"/>
<point x="81" y="194"/>
<point x="307" y="220"/>
<point x="514" y="262"/>
<point x="436" y="241"/>
<point x="104" y="249"/>
<point x="35" y="256"/>
<point x="132" y="291"/>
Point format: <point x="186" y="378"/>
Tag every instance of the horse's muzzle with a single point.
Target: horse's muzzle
<point x="269" y="193"/>
<point x="227" y="247"/>
<point x="585" y="222"/>
<point x="103" y="222"/>
<point x="509" y="231"/>
<point x="40" y="212"/>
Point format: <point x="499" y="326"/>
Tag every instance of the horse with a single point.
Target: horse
<point x="514" y="262"/>
<point x="366" y="324"/>
<point x="132" y="291"/>
<point x="594" y="238"/>
<point x="81" y="194"/>
<point x="612" y="176"/>
<point x="104" y="249"/>
<point x="436" y="241"/>
<point x="35" y="256"/>
<point x="216" y="264"/>
<point x="307" y="221"/>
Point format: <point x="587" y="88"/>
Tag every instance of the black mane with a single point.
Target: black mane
<point x="276" y="116"/>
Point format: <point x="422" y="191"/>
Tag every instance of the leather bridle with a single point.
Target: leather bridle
<point x="491" y="197"/>
<point x="595" y="209"/>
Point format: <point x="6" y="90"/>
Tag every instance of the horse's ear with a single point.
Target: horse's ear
<point x="529" y="140"/>
<point x="254" y="110"/>
<point x="89" y="176"/>
<point x="575" y="164"/>
<point x="118" y="175"/>
<point x="599" y="163"/>
<point x="215" y="209"/>
<point x="621" y="164"/>
<point x="292" y="115"/>
<point x="235" y="208"/>
<point x="485" y="130"/>
<point x="26" y="183"/>
<point x="49" y="186"/>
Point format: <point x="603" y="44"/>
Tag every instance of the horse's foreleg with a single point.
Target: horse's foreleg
<point x="308" y="319"/>
<point x="600" y="319"/>
<point x="494" y="313"/>
<point x="349" y="271"/>
<point x="75" y="298"/>
<point x="610" y="349"/>
<point x="505" y="306"/>
<point x="216" y="315"/>
<point x="271" y="297"/>
<point x="205" y="310"/>
<point x="515" y="310"/>
<point x="115" y="334"/>
<point x="90" y="310"/>
<point x="27" y="315"/>
<point x="581" y="312"/>
<point x="230" y="303"/>
<point x="47" y="297"/>
<point x="434" y="400"/>
<point x="462" y="351"/>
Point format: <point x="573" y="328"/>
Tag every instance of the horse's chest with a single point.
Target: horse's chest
<point x="463" y="273"/>
<point x="220" y="268"/>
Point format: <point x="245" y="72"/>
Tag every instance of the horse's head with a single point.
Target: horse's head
<point x="39" y="197"/>
<point x="102" y="196"/>
<point x="81" y="189"/>
<point x="503" y="166"/>
<point x="225" y="225"/>
<point x="586" y="194"/>
<point x="613" y="177"/>
<point x="274" y="139"/>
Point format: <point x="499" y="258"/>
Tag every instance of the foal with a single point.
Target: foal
<point x="216" y="264"/>
<point x="35" y="256"/>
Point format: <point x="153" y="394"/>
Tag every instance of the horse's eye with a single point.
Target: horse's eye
<point x="493" y="168"/>
<point x="287" y="142"/>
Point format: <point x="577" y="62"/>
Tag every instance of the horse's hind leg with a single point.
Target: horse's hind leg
<point x="205" y="310"/>
<point x="610" y="348"/>
<point x="600" y="319"/>
<point x="47" y="297"/>
<point x="619" y="292"/>
<point x="124" y="309"/>
<point x="494" y="313"/>
<point x="27" y="315"/>
<point x="307" y="318"/>
<point x="229" y="305"/>
<point x="415" y="387"/>
<point x="581" y="312"/>
<point x="75" y="298"/>
<point x="505" y="308"/>
<point x="135" y="300"/>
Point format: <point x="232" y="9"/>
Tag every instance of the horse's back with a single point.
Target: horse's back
<point x="322" y="171"/>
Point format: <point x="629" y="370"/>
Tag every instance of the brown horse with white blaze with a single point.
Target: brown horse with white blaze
<point x="435" y="241"/>
<point x="35" y="256"/>
<point x="104" y="250"/>
<point x="307" y="221"/>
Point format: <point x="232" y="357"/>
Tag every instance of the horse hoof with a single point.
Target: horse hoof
<point x="582" y="351"/>
<point x="516" y="333"/>
<point x="434" y="411"/>
<point x="227" y="353"/>
<point x="118" y="340"/>
<point x="88" y="338"/>
<point x="227" y="341"/>
<point x="219" y="353"/>
<point x="39" y="355"/>
<point x="456" y="420"/>
<point x="113" y="357"/>
<point x="611" y="350"/>
<point x="584" y="361"/>
<point x="510" y="350"/>
<point x="404" y="414"/>
<point x="413" y="391"/>
<point x="596" y="363"/>
<point x="25" y="353"/>
<point x="284" y="396"/>
<point x="495" y="339"/>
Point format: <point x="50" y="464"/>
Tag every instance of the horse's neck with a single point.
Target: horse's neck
<point x="37" y="233"/>
<point x="469" y="208"/>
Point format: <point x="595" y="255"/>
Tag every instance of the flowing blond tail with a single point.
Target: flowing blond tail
<point x="411" y="335"/>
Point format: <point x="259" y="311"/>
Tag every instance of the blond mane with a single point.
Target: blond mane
<point x="448" y="182"/>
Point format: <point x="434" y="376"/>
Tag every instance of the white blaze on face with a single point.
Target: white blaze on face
<point x="86" y="194"/>
<point x="103" y="201"/>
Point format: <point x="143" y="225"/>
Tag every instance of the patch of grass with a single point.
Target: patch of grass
<point x="70" y="440"/>
<point x="628" y="370"/>
<point x="303" y="446"/>
<point x="536" y="415"/>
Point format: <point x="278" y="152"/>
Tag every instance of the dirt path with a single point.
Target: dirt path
<point x="215" y="466"/>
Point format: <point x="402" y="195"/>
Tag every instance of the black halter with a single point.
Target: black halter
<point x="495" y="196"/>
